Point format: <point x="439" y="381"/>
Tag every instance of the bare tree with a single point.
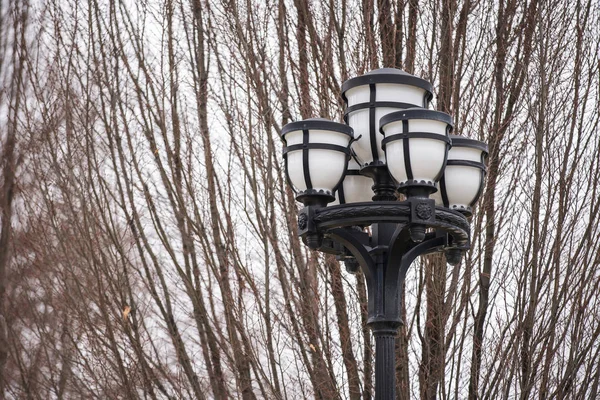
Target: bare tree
<point x="148" y="245"/>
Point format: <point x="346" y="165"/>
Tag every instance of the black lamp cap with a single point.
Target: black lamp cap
<point x="317" y="123"/>
<point x="388" y="75"/>
<point x="415" y="113"/>
<point x="461" y="141"/>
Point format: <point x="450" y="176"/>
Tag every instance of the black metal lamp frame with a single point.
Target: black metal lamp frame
<point x="384" y="257"/>
<point x="400" y="231"/>
<point x="460" y="141"/>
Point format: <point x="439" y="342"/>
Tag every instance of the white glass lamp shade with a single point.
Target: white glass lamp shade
<point x="316" y="153"/>
<point x="463" y="179"/>
<point x="355" y="188"/>
<point x="416" y="144"/>
<point x="371" y="96"/>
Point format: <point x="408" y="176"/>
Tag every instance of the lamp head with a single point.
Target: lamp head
<point x="463" y="180"/>
<point x="316" y="155"/>
<point x="371" y="96"/>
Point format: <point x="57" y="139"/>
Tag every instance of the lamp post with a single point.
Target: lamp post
<point x="391" y="143"/>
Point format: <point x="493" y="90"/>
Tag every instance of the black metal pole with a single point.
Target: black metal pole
<point x="385" y="360"/>
<point x="385" y="317"/>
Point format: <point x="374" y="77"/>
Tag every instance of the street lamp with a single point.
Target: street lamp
<point x="394" y="144"/>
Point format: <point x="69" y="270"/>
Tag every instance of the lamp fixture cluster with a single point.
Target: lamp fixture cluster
<point x="390" y="142"/>
<point x="348" y="176"/>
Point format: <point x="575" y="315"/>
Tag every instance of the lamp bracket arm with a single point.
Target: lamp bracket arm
<point x="351" y="240"/>
<point x="431" y="244"/>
